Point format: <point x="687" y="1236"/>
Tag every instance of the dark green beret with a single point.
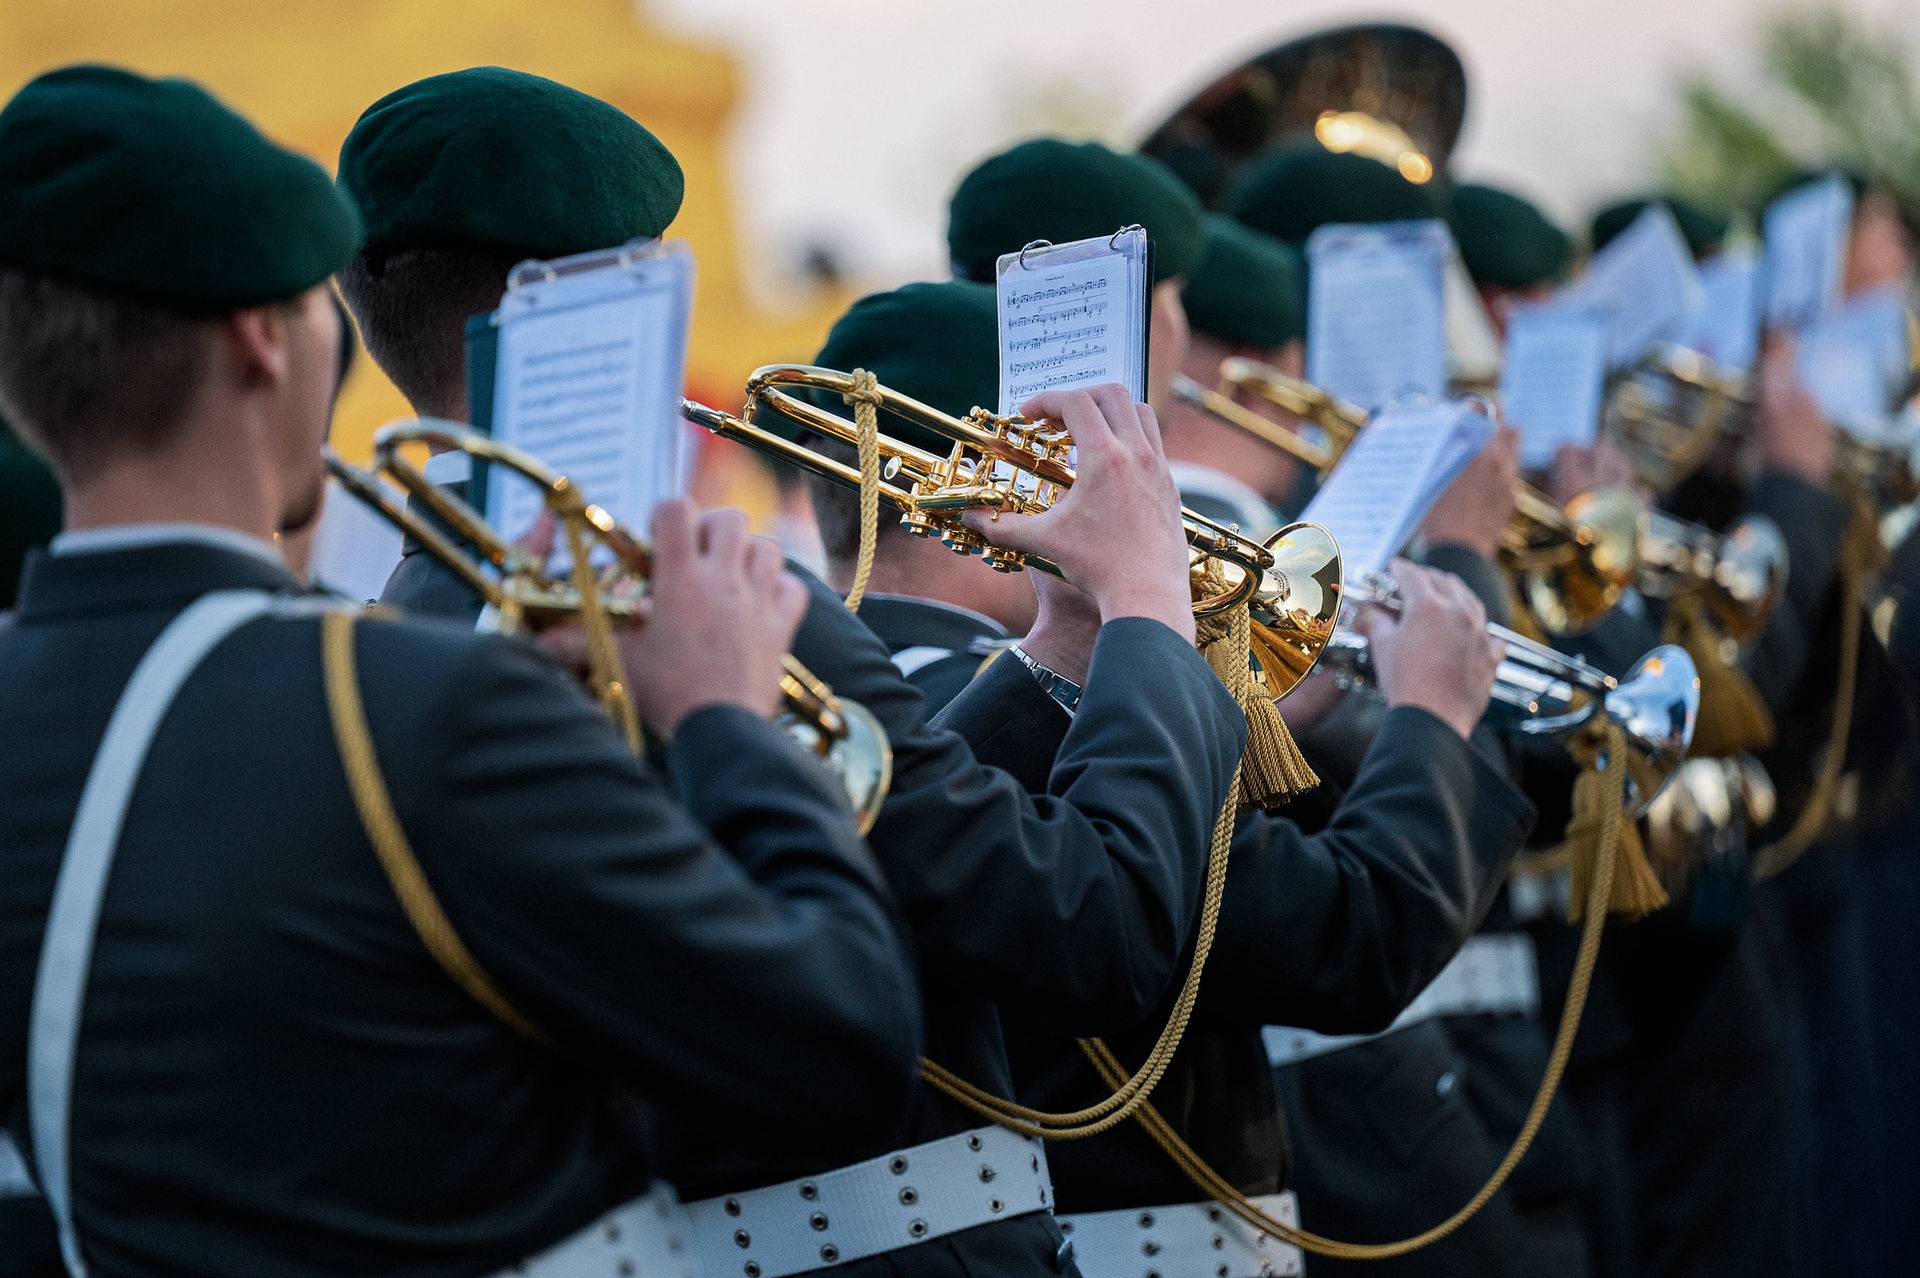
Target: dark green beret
<point x="152" y="189"/>
<point x="1248" y="290"/>
<point x="29" y="509"/>
<point x="1506" y="241"/>
<point x="938" y="343"/>
<point x="1703" y="229"/>
<point x="1066" y="191"/>
<point x="499" y="159"/>
<point x="1294" y="188"/>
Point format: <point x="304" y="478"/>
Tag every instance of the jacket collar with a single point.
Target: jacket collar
<point x="136" y="578"/>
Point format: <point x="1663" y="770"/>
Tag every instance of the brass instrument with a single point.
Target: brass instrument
<point x="842" y="734"/>
<point x="1570" y="565"/>
<point x="1290" y="583"/>
<point x="1707" y="814"/>
<point x="1555" y="696"/>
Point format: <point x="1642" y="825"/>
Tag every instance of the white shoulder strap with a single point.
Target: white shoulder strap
<point x="67" y="950"/>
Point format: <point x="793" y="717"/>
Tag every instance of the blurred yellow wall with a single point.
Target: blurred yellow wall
<point x="304" y="71"/>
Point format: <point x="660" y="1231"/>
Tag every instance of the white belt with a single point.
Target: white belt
<point x="898" y="1200"/>
<point x="645" y="1238"/>
<point x="1189" y="1240"/>
<point x="14" y="1180"/>
<point x="1490" y="974"/>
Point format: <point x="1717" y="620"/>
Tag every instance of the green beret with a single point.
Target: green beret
<point x="1066" y="191"/>
<point x="1294" y="188"/>
<point x="152" y="189"/>
<point x="1702" y="228"/>
<point x="1506" y="241"/>
<point x="937" y="343"/>
<point x="29" y="509"/>
<point x="498" y="159"/>
<point x="1248" y="290"/>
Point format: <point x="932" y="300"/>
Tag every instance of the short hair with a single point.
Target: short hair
<point x="836" y="507"/>
<point x="88" y="375"/>
<point x="413" y="306"/>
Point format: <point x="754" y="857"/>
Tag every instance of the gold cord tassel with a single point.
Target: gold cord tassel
<point x="866" y="420"/>
<point x="1601" y="751"/>
<point x="1272" y="770"/>
<point x="1733" y="718"/>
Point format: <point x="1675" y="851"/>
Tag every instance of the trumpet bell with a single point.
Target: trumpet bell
<point x="858" y="754"/>
<point x="1297" y="605"/>
<point x="1748" y="577"/>
<point x="1571" y="590"/>
<point x="1706" y="816"/>
<point x="1656" y="705"/>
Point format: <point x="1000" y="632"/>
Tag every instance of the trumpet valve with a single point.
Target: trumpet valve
<point x="1000" y="559"/>
<point x="919" y="524"/>
<point x="962" y="540"/>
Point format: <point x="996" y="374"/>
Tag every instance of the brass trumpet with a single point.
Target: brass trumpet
<point x="843" y="735"/>
<point x="1555" y="696"/>
<point x="1290" y="583"/>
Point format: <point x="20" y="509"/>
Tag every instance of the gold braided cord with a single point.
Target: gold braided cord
<point x="1129" y="1093"/>
<point x="1733" y="718"/>
<point x="866" y="420"/>
<point x="375" y="806"/>
<point x="1599" y="887"/>
<point x="604" y="669"/>
<point x="1859" y="560"/>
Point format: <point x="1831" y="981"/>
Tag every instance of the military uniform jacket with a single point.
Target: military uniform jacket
<point x="275" y="1078"/>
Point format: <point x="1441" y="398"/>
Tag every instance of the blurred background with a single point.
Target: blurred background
<point x="821" y="138"/>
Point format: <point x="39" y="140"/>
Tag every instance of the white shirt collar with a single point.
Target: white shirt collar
<point x="89" y="541"/>
<point x="1257" y="519"/>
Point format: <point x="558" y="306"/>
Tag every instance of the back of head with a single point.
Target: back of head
<point x="1297" y="187"/>
<point x="1505" y="240"/>
<point x="460" y="176"/>
<point x="938" y="343"/>
<point x="135" y="212"/>
<point x="1249" y="289"/>
<point x="1060" y="191"/>
<point x="1704" y="229"/>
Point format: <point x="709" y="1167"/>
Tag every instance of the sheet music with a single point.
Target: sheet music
<point x="354" y="549"/>
<point x="1645" y="283"/>
<point x="1073" y="315"/>
<point x="1806" y="238"/>
<point x="1388" y="480"/>
<point x="1551" y="383"/>
<point x="591" y="365"/>
<point x="1376" y="314"/>
<point x="1728" y="327"/>
<point x="1853" y="362"/>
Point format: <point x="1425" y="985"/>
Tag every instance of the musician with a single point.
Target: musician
<point x="1074" y="903"/>
<point x="277" y="1067"/>
<point x="1513" y="252"/>
<point x="1333" y="924"/>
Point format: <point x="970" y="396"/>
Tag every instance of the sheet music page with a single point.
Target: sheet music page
<point x="1728" y="327"/>
<point x="1073" y="315"/>
<point x="1854" y="362"/>
<point x="1551" y="383"/>
<point x="1806" y="249"/>
<point x="354" y="549"/>
<point x="1645" y="283"/>
<point x="1376" y="314"/>
<point x="1389" y="478"/>
<point x="589" y="377"/>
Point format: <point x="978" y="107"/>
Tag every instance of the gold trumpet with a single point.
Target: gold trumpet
<point x="843" y="735"/>
<point x="1290" y="583"/>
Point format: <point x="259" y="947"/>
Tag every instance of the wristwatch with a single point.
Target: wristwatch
<point x="1064" y="691"/>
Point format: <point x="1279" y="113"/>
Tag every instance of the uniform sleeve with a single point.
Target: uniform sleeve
<point x="1076" y="899"/>
<point x="734" y="950"/>
<point x="1339" y="930"/>
<point x="1814" y="523"/>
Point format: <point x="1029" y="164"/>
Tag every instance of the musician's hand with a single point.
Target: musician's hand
<point x="724" y="611"/>
<point x="1790" y="434"/>
<point x="1436" y="654"/>
<point x="1475" y="508"/>
<point x="1116" y="534"/>
<point x="1579" y="468"/>
<point x="1065" y="630"/>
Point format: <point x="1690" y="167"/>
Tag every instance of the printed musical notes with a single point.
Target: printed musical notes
<point x="1376" y="314"/>
<point x="592" y="356"/>
<point x="1395" y="470"/>
<point x="1073" y="315"/>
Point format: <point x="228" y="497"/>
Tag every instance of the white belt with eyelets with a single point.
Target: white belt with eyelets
<point x="645" y="1238"/>
<point x="898" y="1200"/>
<point x="1189" y="1240"/>
<point x="1490" y="974"/>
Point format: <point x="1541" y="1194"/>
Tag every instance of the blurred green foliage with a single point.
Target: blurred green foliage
<point x="1829" y="88"/>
